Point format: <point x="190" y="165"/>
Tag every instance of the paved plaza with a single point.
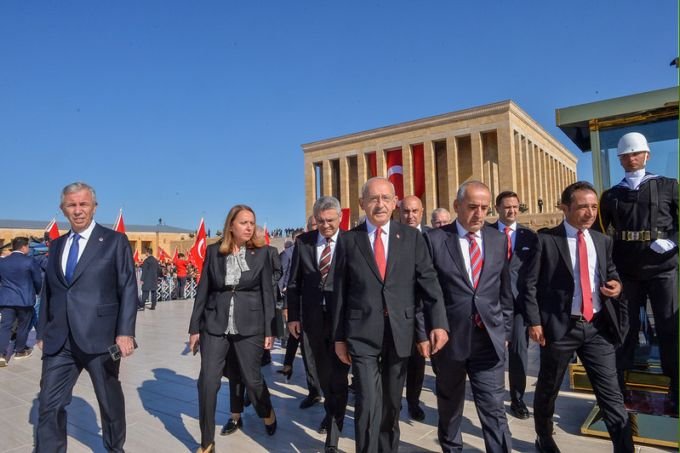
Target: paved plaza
<point x="159" y="382"/>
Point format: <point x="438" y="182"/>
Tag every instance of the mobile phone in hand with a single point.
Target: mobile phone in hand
<point x="114" y="352"/>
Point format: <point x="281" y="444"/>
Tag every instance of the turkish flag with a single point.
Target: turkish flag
<point x="418" y="170"/>
<point x="135" y="257"/>
<point x="395" y="171"/>
<point x="197" y="252"/>
<point x="162" y="256"/>
<point x="372" y="165"/>
<point x="51" y="230"/>
<point x="267" y="239"/>
<point x="119" y="226"/>
<point x="175" y="256"/>
<point x="344" y="223"/>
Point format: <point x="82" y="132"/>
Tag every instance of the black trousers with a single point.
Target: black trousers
<point x="332" y="375"/>
<point x="597" y="353"/>
<point x="518" y="358"/>
<point x="311" y="373"/>
<point x="662" y="291"/>
<point x="59" y="374"/>
<point x="214" y="352"/>
<point x="486" y="373"/>
<point x="23" y="317"/>
<point x="145" y="297"/>
<point x="415" y="376"/>
<point x="378" y="395"/>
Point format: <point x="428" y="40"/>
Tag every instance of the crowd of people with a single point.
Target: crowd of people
<point x="376" y="302"/>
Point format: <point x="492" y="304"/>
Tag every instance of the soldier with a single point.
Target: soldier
<point x="641" y="213"/>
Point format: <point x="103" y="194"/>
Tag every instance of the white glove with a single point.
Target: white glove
<point x="662" y="245"/>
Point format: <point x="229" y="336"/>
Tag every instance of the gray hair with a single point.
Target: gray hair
<point x="462" y="190"/>
<point x="77" y="187"/>
<point x="440" y="211"/>
<point x="325" y="203"/>
<point x="364" y="188"/>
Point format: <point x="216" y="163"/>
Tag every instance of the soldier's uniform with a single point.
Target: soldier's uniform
<point x="637" y="215"/>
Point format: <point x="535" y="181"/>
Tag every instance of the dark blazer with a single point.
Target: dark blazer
<point x="492" y="297"/>
<point x="101" y="301"/>
<point x="285" y="258"/>
<point x="151" y="270"/>
<point x="305" y="288"/>
<point x="360" y="294"/>
<point x="254" y="298"/>
<point x="550" y="285"/>
<point x="525" y="247"/>
<point x="20" y="280"/>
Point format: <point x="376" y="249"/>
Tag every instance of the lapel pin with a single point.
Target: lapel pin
<point x="398" y="236"/>
<point x="101" y="239"/>
<point x="252" y="252"/>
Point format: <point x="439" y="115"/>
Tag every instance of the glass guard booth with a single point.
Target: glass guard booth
<point x="596" y="127"/>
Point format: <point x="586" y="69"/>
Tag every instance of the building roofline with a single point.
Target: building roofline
<point x="19" y="224"/>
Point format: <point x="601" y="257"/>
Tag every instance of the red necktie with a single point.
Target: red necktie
<point x="508" y="234"/>
<point x="584" y="271"/>
<point x="325" y="261"/>
<point x="476" y="263"/>
<point x="379" y="252"/>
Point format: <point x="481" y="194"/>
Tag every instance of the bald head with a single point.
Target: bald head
<point x="411" y="211"/>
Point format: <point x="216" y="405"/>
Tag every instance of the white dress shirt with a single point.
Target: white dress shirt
<point x="385" y="236"/>
<point x="82" y="242"/>
<point x="594" y="278"/>
<point x="465" y="247"/>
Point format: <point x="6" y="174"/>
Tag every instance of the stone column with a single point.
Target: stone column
<point x="380" y="162"/>
<point x="477" y="156"/>
<point x="430" y="196"/>
<point x="310" y="187"/>
<point x="451" y="170"/>
<point x="327" y="188"/>
<point x="344" y="182"/>
<point x="362" y="173"/>
<point x="508" y="177"/>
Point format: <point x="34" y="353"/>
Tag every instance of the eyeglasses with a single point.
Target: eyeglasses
<point x="384" y="198"/>
<point x="327" y="221"/>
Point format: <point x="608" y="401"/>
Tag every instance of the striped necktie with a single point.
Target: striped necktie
<point x="476" y="260"/>
<point x="325" y="260"/>
<point x="508" y="234"/>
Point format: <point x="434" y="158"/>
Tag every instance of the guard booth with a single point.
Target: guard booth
<point x="596" y="128"/>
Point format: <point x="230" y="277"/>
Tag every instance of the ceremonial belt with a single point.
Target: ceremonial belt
<point x="644" y="235"/>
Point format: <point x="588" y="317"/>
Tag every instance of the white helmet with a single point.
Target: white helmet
<point x="632" y="142"/>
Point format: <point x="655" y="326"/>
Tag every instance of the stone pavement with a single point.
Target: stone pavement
<point x="159" y="382"/>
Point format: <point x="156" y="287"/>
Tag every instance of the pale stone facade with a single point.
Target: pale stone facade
<point x="498" y="144"/>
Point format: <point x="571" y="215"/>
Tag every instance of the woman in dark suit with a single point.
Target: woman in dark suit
<point x="233" y="310"/>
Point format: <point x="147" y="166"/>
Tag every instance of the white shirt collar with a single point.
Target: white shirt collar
<point x="462" y="232"/>
<point x="573" y="231"/>
<point x="370" y="228"/>
<point x="86" y="233"/>
<point x="321" y="240"/>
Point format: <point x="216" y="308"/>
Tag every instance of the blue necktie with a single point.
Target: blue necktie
<point x="72" y="259"/>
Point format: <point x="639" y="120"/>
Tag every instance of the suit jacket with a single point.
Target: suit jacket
<point x="20" y="280"/>
<point x="550" y="285"/>
<point x="151" y="270"/>
<point x="285" y="258"/>
<point x="361" y="296"/>
<point x="99" y="304"/>
<point x="253" y="295"/>
<point x="525" y="247"/>
<point x="492" y="298"/>
<point x="305" y="287"/>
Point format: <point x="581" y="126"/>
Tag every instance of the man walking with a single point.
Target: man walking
<point x="151" y="271"/>
<point x="87" y="321"/>
<point x="20" y="281"/>
<point x="571" y="286"/>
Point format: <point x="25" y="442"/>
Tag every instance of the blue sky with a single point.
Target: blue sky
<point x="178" y="110"/>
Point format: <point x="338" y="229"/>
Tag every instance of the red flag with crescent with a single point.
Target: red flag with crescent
<point x="175" y="256"/>
<point x="162" y="255"/>
<point x="119" y="225"/>
<point x="395" y="171"/>
<point x="135" y="257"/>
<point x="267" y="239"/>
<point x="418" y="170"/>
<point x="344" y="223"/>
<point x="52" y="230"/>
<point x="197" y="252"/>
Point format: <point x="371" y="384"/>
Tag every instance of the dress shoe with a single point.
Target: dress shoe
<point x="309" y="401"/>
<point x="271" y="428"/>
<point x="231" y="426"/>
<point x="519" y="410"/>
<point x="287" y="371"/>
<point x="140" y="308"/>
<point x="546" y="444"/>
<point x="416" y="413"/>
<point x="323" y="428"/>
<point x="209" y="449"/>
<point x="23" y="354"/>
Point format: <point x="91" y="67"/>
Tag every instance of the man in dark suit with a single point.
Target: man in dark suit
<point x="571" y="287"/>
<point x="470" y="259"/>
<point x="309" y="300"/>
<point x="20" y="281"/>
<point x="89" y="303"/>
<point x="151" y="271"/>
<point x="521" y="246"/>
<point x="382" y="270"/>
<point x="411" y="214"/>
